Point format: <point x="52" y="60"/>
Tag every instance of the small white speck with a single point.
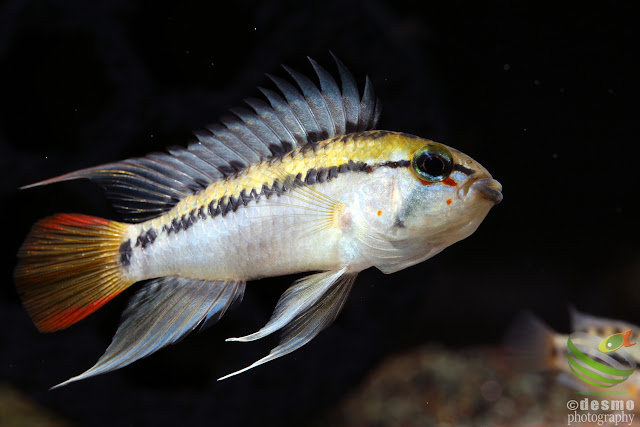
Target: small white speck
<point x="536" y="82"/>
<point x="524" y="130"/>
<point x="151" y="135"/>
<point x="46" y="157"/>
<point x="554" y="155"/>
<point x="507" y="67"/>
<point x="75" y="110"/>
<point x="187" y="52"/>
<point x="255" y="28"/>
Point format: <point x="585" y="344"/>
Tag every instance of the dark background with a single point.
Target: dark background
<point x="541" y="96"/>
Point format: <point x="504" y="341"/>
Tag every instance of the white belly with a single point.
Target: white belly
<point x="265" y="238"/>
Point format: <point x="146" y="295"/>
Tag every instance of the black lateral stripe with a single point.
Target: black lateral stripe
<point x="125" y="253"/>
<point x="323" y="173"/>
<point x="216" y="211"/>
<point x="398" y="164"/>
<point x="189" y="220"/>
<point x="311" y="177"/>
<point x="212" y="208"/>
<point x="333" y="173"/>
<point x="227" y="204"/>
<point x="201" y="213"/>
<point x="151" y="235"/>
<point x="146" y="238"/>
<point x="464" y="170"/>
<point x="245" y="198"/>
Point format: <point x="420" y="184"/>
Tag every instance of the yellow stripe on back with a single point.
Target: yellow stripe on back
<point x="371" y="148"/>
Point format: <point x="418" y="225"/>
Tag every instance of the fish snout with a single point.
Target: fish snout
<point x="488" y="188"/>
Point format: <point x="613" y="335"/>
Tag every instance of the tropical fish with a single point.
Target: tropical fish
<point x="299" y="183"/>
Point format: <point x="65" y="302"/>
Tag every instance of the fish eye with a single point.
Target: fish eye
<point x="432" y="163"/>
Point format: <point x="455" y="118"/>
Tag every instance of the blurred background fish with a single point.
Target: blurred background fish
<point x="534" y="346"/>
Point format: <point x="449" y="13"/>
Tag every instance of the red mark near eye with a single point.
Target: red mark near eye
<point x="449" y="201"/>
<point x="450" y="182"/>
<point x="379" y="213"/>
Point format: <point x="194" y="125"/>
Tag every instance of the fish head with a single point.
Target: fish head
<point x="439" y="199"/>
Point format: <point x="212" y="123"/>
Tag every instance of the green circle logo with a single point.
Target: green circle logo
<point x="592" y="360"/>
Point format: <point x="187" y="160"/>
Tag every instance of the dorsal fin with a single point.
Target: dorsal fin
<point x="146" y="187"/>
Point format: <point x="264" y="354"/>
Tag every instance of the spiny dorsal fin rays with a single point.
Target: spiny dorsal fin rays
<point x="268" y="116"/>
<point x="316" y="102"/>
<point x="350" y="97"/>
<point x="286" y="114"/>
<point x="259" y="129"/>
<point x="245" y="151"/>
<point x="196" y="160"/>
<point x="145" y="173"/>
<point x="370" y="108"/>
<point x="298" y="298"/>
<point x="162" y="313"/>
<point x="144" y="188"/>
<point x="217" y="153"/>
<point x="300" y="108"/>
<point x="308" y="323"/>
<point x="333" y="98"/>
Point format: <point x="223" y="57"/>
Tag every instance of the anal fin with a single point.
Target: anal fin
<point x="161" y="313"/>
<point x="305" y="309"/>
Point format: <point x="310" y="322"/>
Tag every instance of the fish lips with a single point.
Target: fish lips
<point x="488" y="188"/>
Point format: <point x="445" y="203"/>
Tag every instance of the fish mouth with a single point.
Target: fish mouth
<point x="488" y="188"/>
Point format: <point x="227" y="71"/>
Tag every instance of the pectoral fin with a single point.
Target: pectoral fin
<point x="305" y="309"/>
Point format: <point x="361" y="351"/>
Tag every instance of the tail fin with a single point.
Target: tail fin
<point x="69" y="266"/>
<point x="530" y="343"/>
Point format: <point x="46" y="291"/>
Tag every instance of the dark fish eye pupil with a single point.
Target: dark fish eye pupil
<point x="432" y="165"/>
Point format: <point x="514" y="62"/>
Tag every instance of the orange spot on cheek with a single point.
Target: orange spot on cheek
<point x="449" y="201"/>
<point x="379" y="213"/>
<point x="450" y="182"/>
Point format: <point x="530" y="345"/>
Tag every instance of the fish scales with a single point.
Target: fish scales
<point x="303" y="182"/>
<point x="251" y="241"/>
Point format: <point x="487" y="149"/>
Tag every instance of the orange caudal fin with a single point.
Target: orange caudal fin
<point x="68" y="267"/>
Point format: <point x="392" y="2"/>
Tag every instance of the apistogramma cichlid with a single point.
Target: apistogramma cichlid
<point x="534" y="346"/>
<point x="301" y="183"/>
